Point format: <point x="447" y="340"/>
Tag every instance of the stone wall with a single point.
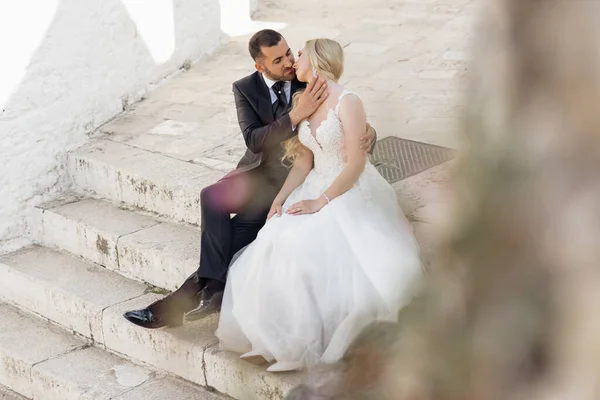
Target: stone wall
<point x="69" y="66"/>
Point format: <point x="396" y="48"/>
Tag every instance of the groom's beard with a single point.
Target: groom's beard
<point x="289" y="76"/>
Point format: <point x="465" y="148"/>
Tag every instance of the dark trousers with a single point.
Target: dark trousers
<point x="249" y="195"/>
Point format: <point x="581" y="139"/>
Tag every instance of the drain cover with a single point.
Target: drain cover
<point x="397" y="158"/>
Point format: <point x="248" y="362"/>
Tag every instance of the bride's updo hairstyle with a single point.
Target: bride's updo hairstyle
<point x="326" y="57"/>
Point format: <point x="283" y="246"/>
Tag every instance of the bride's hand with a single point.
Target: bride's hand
<point x="275" y="209"/>
<point x="307" y="206"/>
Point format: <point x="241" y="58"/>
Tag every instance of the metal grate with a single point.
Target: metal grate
<point x="397" y="158"/>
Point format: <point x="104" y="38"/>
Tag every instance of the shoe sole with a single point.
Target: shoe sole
<point x="195" y="317"/>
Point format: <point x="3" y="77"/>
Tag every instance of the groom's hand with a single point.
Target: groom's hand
<point x="310" y="100"/>
<point x="366" y="142"/>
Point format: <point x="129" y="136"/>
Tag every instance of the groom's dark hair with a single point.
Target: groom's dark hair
<point x="264" y="38"/>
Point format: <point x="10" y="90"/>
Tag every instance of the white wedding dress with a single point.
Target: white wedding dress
<point x="308" y="284"/>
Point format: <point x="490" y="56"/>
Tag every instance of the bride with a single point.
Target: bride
<point x="336" y="253"/>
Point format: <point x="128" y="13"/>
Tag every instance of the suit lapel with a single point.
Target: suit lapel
<point x="263" y="100"/>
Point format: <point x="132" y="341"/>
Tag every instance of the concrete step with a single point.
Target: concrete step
<point x="142" y="179"/>
<point x="135" y="245"/>
<point x="7" y="394"/>
<point x="90" y="300"/>
<point x="42" y="361"/>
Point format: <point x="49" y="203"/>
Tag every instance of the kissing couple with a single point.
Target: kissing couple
<point x="318" y="247"/>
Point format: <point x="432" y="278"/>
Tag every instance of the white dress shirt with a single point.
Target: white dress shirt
<point x="287" y="88"/>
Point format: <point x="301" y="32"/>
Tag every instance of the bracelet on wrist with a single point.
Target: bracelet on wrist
<point x="326" y="198"/>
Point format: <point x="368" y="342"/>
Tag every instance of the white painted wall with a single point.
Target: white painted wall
<point x="68" y="66"/>
<point x="236" y="17"/>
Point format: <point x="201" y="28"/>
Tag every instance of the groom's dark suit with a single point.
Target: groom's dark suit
<point x="247" y="192"/>
<point x="250" y="189"/>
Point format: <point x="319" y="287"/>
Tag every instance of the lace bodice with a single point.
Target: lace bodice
<point x="326" y="141"/>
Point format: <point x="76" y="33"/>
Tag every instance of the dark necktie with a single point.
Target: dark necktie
<point x="280" y="105"/>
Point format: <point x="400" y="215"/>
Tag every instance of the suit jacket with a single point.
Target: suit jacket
<point x="262" y="133"/>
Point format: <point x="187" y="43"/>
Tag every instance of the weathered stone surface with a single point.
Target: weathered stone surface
<point x="44" y="362"/>
<point x="64" y="289"/>
<point x="90" y="228"/>
<point x="178" y="351"/>
<point x="169" y="388"/>
<point x="423" y="199"/>
<point x="191" y="352"/>
<point x="26" y="341"/>
<point x="163" y="255"/>
<point x="90" y="374"/>
<point x="80" y="296"/>
<point x="241" y="380"/>
<point x="7" y="394"/>
<point x="135" y="245"/>
<point x="141" y="179"/>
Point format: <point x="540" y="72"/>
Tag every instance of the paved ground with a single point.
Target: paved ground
<point x="405" y="58"/>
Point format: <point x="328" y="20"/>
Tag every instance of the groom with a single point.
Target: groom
<point x="263" y="101"/>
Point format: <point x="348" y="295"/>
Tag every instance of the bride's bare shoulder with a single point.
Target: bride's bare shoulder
<point x="348" y="99"/>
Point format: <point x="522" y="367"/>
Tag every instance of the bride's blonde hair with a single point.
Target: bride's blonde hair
<point x="326" y="57"/>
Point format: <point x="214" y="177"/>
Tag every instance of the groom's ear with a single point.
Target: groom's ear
<point x="259" y="67"/>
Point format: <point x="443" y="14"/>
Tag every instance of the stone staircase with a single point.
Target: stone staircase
<point x="128" y="232"/>
<point x="116" y="244"/>
<point x="96" y="259"/>
<point x="102" y="251"/>
<point x="89" y="300"/>
<point x="42" y="361"/>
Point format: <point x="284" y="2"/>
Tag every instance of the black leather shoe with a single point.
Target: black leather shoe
<point x="147" y="319"/>
<point x="209" y="304"/>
